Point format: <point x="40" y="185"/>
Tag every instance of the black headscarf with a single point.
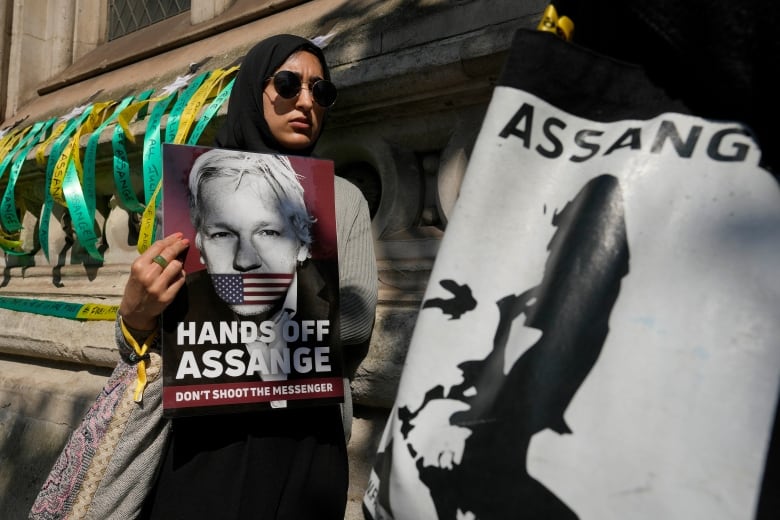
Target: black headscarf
<point x="245" y="127"/>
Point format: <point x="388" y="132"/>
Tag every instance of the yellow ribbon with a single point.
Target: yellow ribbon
<point x="40" y="153"/>
<point x="97" y="311"/>
<point x="71" y="151"/>
<point x="140" y="351"/>
<point x="126" y="115"/>
<point x="561" y="26"/>
<point x="8" y="244"/>
<point x="148" y="221"/>
<point x="10" y="140"/>
<point x="99" y="114"/>
<point x="208" y="90"/>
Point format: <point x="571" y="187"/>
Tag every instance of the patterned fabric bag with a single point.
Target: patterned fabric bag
<point x="108" y="465"/>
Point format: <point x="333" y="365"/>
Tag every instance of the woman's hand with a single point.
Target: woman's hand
<point x="152" y="287"/>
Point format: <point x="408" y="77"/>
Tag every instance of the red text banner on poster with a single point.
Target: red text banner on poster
<point x="253" y="392"/>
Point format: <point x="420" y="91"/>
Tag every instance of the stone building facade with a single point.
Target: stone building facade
<point x="415" y="77"/>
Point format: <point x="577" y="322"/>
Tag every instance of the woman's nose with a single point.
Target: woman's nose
<point x="247" y="257"/>
<point x="305" y="98"/>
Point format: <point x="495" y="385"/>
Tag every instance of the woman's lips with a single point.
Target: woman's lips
<point x="300" y="123"/>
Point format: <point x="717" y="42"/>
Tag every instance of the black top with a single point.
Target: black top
<point x="277" y="464"/>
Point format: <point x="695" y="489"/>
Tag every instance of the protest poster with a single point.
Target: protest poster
<point x="599" y="336"/>
<point x="256" y="324"/>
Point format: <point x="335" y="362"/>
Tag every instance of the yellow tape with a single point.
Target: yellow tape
<point x="40" y="153"/>
<point x="97" y="311"/>
<point x="14" y="245"/>
<point x="99" y="114"/>
<point x="10" y="140"/>
<point x="208" y="90"/>
<point x="127" y="115"/>
<point x="6" y="234"/>
<point x="148" y="222"/>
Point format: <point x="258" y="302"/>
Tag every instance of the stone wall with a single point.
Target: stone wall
<point x="415" y="78"/>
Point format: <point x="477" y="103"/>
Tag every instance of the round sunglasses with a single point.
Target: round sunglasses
<point x="288" y="85"/>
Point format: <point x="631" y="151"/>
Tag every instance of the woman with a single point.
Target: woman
<point x="288" y="463"/>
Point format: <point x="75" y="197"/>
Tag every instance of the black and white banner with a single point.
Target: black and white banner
<point x="600" y="336"/>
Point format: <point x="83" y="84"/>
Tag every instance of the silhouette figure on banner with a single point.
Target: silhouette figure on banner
<point x="461" y="302"/>
<point x="478" y="465"/>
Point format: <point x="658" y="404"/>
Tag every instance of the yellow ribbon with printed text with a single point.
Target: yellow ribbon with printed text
<point x="71" y="150"/>
<point x="208" y="90"/>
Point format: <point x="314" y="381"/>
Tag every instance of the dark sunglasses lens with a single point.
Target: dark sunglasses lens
<point x="287" y="84"/>
<point x="324" y="93"/>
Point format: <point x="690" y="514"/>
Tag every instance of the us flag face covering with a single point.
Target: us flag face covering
<point x="251" y="289"/>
